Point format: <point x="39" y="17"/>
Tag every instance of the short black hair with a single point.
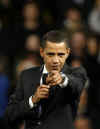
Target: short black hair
<point x="54" y="36"/>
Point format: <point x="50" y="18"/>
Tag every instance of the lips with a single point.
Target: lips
<point x="56" y="67"/>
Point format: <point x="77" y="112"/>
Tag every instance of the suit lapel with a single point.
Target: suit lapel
<point x="35" y="79"/>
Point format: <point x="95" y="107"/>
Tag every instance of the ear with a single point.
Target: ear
<point x="41" y="51"/>
<point x="68" y="51"/>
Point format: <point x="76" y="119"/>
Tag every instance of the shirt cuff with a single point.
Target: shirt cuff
<point x="31" y="104"/>
<point x="65" y="83"/>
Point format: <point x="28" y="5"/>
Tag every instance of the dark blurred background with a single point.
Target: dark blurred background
<point x="22" y="25"/>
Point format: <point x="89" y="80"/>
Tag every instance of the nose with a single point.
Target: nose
<point x="55" y="60"/>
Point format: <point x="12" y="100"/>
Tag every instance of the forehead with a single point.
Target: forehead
<point x="52" y="46"/>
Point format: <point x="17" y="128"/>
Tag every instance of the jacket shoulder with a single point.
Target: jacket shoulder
<point x="76" y="71"/>
<point x="30" y="71"/>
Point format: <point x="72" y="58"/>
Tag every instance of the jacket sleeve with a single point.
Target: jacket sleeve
<point x="77" y="80"/>
<point x="18" y="107"/>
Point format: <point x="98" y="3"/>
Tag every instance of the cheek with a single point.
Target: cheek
<point x="64" y="59"/>
<point x="47" y="60"/>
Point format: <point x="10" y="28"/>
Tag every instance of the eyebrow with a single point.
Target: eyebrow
<point x="51" y="53"/>
<point x="61" y="54"/>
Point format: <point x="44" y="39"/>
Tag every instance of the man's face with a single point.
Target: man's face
<point x="54" y="55"/>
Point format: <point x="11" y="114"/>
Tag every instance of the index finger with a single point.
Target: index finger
<point x="45" y="86"/>
<point x="53" y="72"/>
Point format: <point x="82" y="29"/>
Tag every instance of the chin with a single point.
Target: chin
<point x="57" y="70"/>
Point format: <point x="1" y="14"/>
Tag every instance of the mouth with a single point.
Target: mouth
<point x="55" y="67"/>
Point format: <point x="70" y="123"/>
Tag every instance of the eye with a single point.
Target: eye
<point x="50" y="54"/>
<point x="61" y="54"/>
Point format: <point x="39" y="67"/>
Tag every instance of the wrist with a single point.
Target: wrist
<point x="35" y="99"/>
<point x="64" y="82"/>
<point x="63" y="78"/>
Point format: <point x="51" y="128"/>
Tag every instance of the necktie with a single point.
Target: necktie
<point x="39" y="110"/>
<point x="44" y="78"/>
<point x="40" y="107"/>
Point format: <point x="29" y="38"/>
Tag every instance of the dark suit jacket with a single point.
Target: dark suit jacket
<point x="57" y="109"/>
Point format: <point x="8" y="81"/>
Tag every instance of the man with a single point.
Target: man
<point x="45" y="102"/>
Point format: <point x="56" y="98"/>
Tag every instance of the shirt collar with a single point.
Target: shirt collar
<point x="45" y="70"/>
